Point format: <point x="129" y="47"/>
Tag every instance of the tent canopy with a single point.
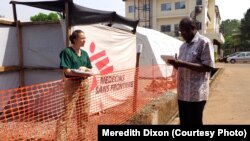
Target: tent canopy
<point x="79" y="15"/>
<point x="155" y="44"/>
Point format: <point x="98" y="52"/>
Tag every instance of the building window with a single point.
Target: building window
<point x="146" y="7"/>
<point x="131" y="9"/>
<point x="180" y="5"/>
<point x="166" y="7"/>
<point x="165" y="28"/>
<point x="198" y="2"/>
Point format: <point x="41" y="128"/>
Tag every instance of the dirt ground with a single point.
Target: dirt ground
<point x="229" y="101"/>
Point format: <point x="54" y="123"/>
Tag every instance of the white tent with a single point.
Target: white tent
<point x="154" y="44"/>
<point x="116" y="50"/>
<point x="110" y="50"/>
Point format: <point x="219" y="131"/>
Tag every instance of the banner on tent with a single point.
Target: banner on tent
<point x="111" y="50"/>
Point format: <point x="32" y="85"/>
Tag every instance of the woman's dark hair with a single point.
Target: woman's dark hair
<point x="74" y="36"/>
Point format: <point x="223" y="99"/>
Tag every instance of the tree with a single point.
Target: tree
<point x="231" y="31"/>
<point x="229" y="27"/>
<point x="245" y="31"/>
<point x="41" y="17"/>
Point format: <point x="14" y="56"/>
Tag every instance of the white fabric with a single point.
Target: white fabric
<point x="8" y="57"/>
<point x="156" y="44"/>
<point x="42" y="45"/>
<point x="120" y="51"/>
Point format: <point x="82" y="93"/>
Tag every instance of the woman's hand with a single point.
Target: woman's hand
<point x="82" y="68"/>
<point x="85" y="69"/>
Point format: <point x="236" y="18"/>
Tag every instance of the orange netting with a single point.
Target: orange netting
<point x="71" y="109"/>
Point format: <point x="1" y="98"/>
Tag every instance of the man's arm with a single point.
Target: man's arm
<point x="193" y="66"/>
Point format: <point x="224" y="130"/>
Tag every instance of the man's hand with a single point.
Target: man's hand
<point x="173" y="62"/>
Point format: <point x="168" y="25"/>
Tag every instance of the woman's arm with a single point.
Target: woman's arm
<point x="69" y="72"/>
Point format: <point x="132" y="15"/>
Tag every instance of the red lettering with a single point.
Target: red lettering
<point x="97" y="55"/>
<point x="101" y="64"/>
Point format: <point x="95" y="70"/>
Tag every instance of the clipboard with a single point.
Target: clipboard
<point x="167" y="57"/>
<point x="82" y="71"/>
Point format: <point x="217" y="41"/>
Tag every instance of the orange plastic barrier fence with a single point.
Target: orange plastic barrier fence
<point x="71" y="109"/>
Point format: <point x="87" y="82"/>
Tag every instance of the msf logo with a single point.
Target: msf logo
<point x="101" y="61"/>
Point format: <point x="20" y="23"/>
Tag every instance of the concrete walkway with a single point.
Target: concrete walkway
<point x="229" y="101"/>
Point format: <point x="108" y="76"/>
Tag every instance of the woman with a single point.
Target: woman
<point x="75" y="87"/>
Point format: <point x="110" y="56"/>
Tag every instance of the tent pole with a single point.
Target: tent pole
<point x="20" y="53"/>
<point x="67" y="22"/>
<point x="136" y="83"/>
<point x="138" y="54"/>
<point x="14" y="12"/>
<point x="19" y="45"/>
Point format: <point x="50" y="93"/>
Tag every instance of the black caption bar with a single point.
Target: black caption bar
<point x="173" y="132"/>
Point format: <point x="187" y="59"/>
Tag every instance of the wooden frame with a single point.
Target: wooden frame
<point x="19" y="25"/>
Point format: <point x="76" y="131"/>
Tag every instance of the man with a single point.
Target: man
<point x="194" y="64"/>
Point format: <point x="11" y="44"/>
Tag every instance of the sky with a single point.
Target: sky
<point x="233" y="9"/>
<point x="229" y="9"/>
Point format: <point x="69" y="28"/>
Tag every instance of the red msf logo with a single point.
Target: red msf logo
<point x="102" y="65"/>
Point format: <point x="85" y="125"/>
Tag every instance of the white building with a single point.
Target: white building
<point x="165" y="15"/>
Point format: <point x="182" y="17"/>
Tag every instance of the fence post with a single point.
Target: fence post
<point x="139" y="50"/>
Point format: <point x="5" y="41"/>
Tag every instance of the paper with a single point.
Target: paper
<point x="167" y="57"/>
<point x="82" y="71"/>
